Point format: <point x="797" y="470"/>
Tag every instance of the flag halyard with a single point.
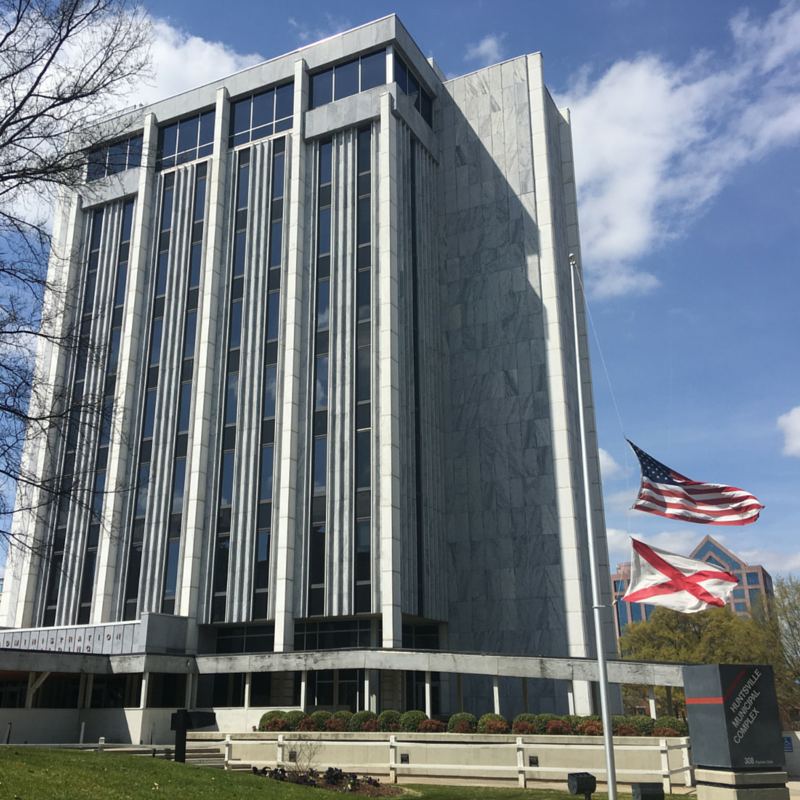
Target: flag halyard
<point x="669" y="494"/>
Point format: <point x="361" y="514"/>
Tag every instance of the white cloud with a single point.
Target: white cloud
<point x="789" y="423"/>
<point x="620" y="501"/>
<point x="681" y="542"/>
<point x="608" y="467"/>
<point x="655" y="142"/>
<point x="487" y="51"/>
<point x="772" y="562"/>
<point x="182" y="62"/>
<point x="306" y="34"/>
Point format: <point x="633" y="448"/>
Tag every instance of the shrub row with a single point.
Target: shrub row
<point x="463" y="722"/>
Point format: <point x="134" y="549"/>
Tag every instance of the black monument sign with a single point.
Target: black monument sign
<point x="733" y="716"/>
<point x="184" y="720"/>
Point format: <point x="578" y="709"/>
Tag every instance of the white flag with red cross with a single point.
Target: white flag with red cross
<point x="682" y="584"/>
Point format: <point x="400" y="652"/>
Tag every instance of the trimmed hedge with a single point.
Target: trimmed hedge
<point x="387" y="719"/>
<point x="320" y="718"/>
<point x="432" y="726"/>
<point x="462" y="716"/>
<point x="409" y="722"/>
<point x="674" y="723"/>
<point x="490" y="718"/>
<point x="359" y="718"/>
<point x="643" y="724"/>
<point x="270" y="715"/>
<point x="541" y="721"/>
<point x="530" y="718"/>
<point x="293" y="718"/>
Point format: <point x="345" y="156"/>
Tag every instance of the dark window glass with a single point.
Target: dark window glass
<point x="141" y="490"/>
<point x="362" y="374"/>
<point x="187" y="134"/>
<point x="400" y="73"/>
<point x="155" y="342"/>
<point x="362" y="550"/>
<point x="324" y="243"/>
<point x="270" y="377"/>
<point x="364" y="295"/>
<point x="277" y="175"/>
<point x="364" y="205"/>
<point x="200" y="200"/>
<point x="149" y="414"/>
<point x="240" y="118"/>
<point x="97" y="165"/>
<point x="322" y="88"/>
<point x="244" y="185"/>
<point x="325" y="155"/>
<point x="113" y="350"/>
<point x="178" y="485"/>
<point x="169" y="140"/>
<point x="323" y="305"/>
<point x="98" y="496"/>
<point x="221" y="565"/>
<point x="207" y="127"/>
<point x="426" y="108"/>
<point x="263" y="108"/>
<point x="122" y="277"/>
<point x="364" y="151"/>
<point x="161" y="273"/>
<point x="134" y="154"/>
<point x="346" y="80"/>
<point x="106" y="420"/>
<point x="190" y="334"/>
<point x="373" y="70"/>
<point x="184" y="407"/>
<point x="321" y="393"/>
<point x="275" y="245"/>
<point x="231" y="399"/>
<point x="262" y="560"/>
<point x="362" y="459"/>
<point x="413" y="89"/>
<point x="171" y="581"/>
<point x="226" y="479"/>
<point x="320" y="465"/>
<point x="266" y="474"/>
<point x="195" y="264"/>
<point x="273" y="315"/>
<point x="284" y="101"/>
<point x="239" y="248"/>
<point x="752" y="579"/>
<point x="166" y="208"/>
<point x="236" y="325"/>
<point x="317" y="555"/>
<point x="117" y="158"/>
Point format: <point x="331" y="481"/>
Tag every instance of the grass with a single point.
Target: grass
<point x="28" y="773"/>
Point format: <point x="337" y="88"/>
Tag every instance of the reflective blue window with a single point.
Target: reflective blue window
<point x="752" y="579"/>
<point x="265" y="494"/>
<point x="754" y="595"/>
<point x="320" y="465"/>
<point x="740" y="607"/>
<point x="270" y="378"/>
<point x="178" y="486"/>
<point x="738" y="594"/>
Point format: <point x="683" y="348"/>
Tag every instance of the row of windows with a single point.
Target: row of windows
<point x="115" y="158"/>
<point x="261" y="115"/>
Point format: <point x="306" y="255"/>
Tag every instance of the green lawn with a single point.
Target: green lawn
<point x="28" y="773"/>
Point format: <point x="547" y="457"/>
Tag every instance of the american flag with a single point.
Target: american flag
<point x="670" y="494"/>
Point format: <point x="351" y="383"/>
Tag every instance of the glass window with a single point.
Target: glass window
<point x="739" y="607"/>
<point x="239" y="249"/>
<point x="231" y="399"/>
<point x="322" y="88"/>
<point x="187" y="134"/>
<point x="636" y="612"/>
<point x="221" y="565"/>
<point x="363" y="374"/>
<point x="263" y="108"/>
<point x="226" y="479"/>
<point x="364" y="208"/>
<point x="171" y="582"/>
<point x="752" y="579"/>
<point x="754" y="595"/>
<point x="149" y="414"/>
<point x="277" y="175"/>
<point x="122" y="277"/>
<point x="323" y="305"/>
<point x="99" y="494"/>
<point x="266" y="474"/>
<point x="184" y="407"/>
<point x="324" y="243"/>
<point x="134" y="154"/>
<point x="363" y="292"/>
<point x="364" y="150"/>
<point x="106" y="420"/>
<point x="284" y="103"/>
<point x="113" y="351"/>
<point x="400" y="73"/>
<point x="195" y="264"/>
<point x="207" y="132"/>
<point x="200" y="198"/>
<point x="320" y="465"/>
<point x="622" y="608"/>
<point x="738" y="594"/>
<point x="275" y="245"/>
<point x="346" y="80"/>
<point x="273" y="315"/>
<point x="362" y="460"/>
<point x="155" y="342"/>
<point x="236" y="325"/>
<point x="178" y="485"/>
<point x="325" y="156"/>
<point x="321" y="394"/>
<point x="241" y="115"/>
<point x="373" y="70"/>
<point x="161" y="273"/>
<point x="168" y="136"/>
<point x="244" y="183"/>
<point x="141" y="490"/>
<point x="190" y="334"/>
<point x="262" y="560"/>
<point x="270" y="378"/>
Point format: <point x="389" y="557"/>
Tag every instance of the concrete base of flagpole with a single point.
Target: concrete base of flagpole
<point x="725" y="784"/>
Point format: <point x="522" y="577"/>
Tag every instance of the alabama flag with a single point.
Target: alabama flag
<point x="682" y="584"/>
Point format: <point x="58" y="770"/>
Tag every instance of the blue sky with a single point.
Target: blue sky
<point x="686" y="122"/>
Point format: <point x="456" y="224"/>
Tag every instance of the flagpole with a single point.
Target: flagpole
<point x="608" y="733"/>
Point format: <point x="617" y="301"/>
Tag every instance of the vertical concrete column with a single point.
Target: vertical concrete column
<point x="428" y="702"/>
<point x="248" y="679"/>
<point x="571" y="696"/>
<point x="143" y="695"/>
<point x="651" y="702"/>
<point x="496" y="693"/>
<point x="28" y="528"/>
<point x="196" y="534"/>
<point x="287" y="471"/>
<point x="367" y="693"/>
<point x="188" y="694"/>
<point x="559" y="363"/>
<point x="122" y="472"/>
<point x="88" y="687"/>
<point x="304" y="689"/>
<point x="389" y="379"/>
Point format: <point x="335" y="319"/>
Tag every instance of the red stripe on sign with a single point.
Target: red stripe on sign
<point x="702" y="700"/>
<point x="734" y="684"/>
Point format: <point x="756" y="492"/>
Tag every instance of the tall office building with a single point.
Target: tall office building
<point x="332" y="297"/>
